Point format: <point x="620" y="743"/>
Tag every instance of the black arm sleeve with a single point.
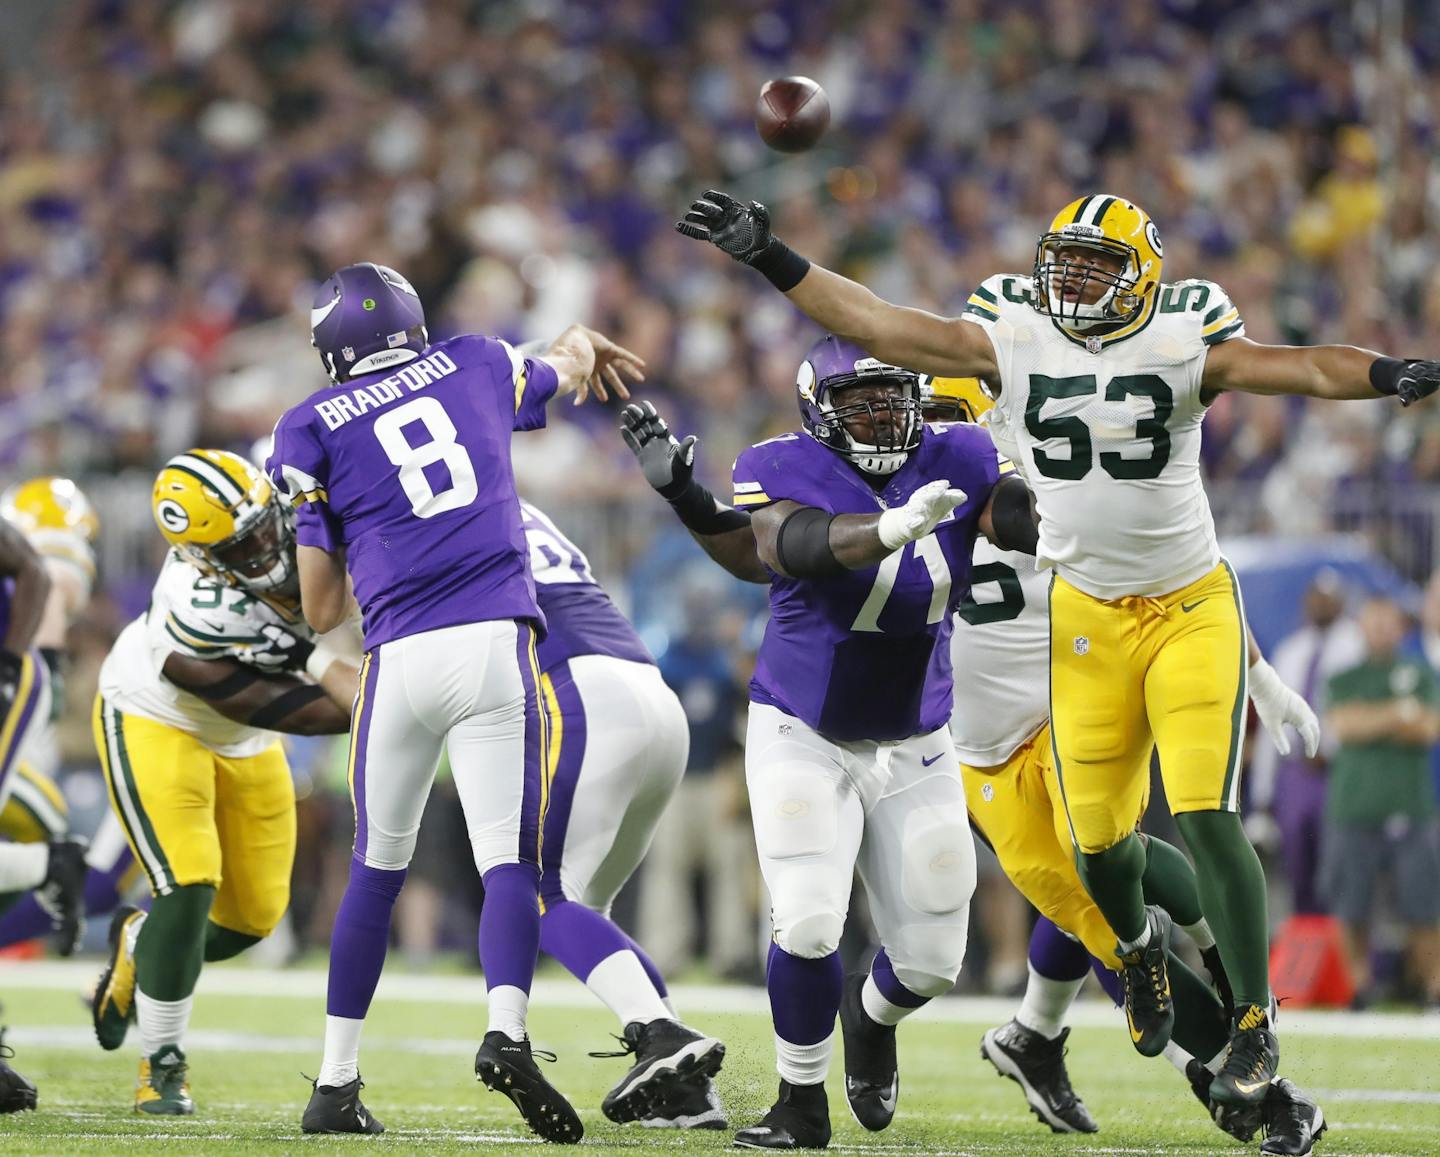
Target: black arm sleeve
<point x="802" y="547"/>
<point x="698" y="510"/>
<point x="1016" y="527"/>
<point x="283" y="705"/>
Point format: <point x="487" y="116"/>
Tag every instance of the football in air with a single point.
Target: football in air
<point x="792" y="113"/>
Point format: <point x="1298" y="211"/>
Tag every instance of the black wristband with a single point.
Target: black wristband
<point x="1385" y="375"/>
<point x="697" y="510"/>
<point x="781" y="265"/>
<point x="285" y="705"/>
<point x="802" y="547"/>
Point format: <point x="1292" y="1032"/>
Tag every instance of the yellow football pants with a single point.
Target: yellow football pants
<point x="1128" y="675"/>
<point x="195" y="817"/>
<point x="1017" y="807"/>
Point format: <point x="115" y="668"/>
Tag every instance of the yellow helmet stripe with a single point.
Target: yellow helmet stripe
<point x="209" y="474"/>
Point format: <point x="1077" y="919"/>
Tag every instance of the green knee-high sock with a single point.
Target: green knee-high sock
<point x="1112" y="878"/>
<point x="1202" y="1023"/>
<point x="1169" y="881"/>
<point x="223" y="943"/>
<point x="1232" y="896"/>
<point x="171" y="946"/>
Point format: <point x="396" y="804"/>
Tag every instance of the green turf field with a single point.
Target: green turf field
<point x="254" y="1032"/>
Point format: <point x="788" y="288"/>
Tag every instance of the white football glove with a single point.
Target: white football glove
<point x="1277" y="705"/>
<point x="920" y="515"/>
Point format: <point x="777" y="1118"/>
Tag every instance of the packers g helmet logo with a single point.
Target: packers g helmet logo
<point x="1152" y="235"/>
<point x="172" y="516"/>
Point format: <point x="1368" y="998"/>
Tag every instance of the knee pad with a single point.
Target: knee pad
<point x="927" y="957"/>
<point x="811" y="936"/>
<point x="794" y="810"/>
<point x="937" y="875"/>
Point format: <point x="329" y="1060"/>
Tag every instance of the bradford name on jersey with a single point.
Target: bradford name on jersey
<point x="1107" y="432"/>
<point x="198" y="616"/>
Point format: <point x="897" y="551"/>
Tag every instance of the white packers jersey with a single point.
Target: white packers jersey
<point x="1108" y="433"/>
<point x="70" y="551"/>
<point x="1001" y="654"/>
<point x="194" y="615"/>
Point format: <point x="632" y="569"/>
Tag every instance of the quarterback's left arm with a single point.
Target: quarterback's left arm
<point x="1277" y="704"/>
<point x="1324" y="371"/>
<point x="324" y="587"/>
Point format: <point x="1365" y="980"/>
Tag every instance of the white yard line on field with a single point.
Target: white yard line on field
<point x="560" y="992"/>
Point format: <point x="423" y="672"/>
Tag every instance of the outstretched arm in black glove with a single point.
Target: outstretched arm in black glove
<point x="723" y="533"/>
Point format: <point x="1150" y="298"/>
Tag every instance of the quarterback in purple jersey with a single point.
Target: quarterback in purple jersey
<point x="617" y="753"/>
<point x="864" y="521"/>
<point x="401" y="472"/>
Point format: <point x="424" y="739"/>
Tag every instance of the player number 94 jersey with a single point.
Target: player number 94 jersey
<point x="1107" y="433"/>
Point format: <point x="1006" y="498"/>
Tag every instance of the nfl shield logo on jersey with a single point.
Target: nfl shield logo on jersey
<point x="987" y="791"/>
<point x="1082" y="645"/>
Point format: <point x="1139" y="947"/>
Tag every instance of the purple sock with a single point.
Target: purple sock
<point x="26" y="920"/>
<point x="804" y="995"/>
<point x="1054" y="955"/>
<point x="579" y="937"/>
<point x="360" y="938"/>
<point x="882" y="972"/>
<point x="1109" y="981"/>
<point x="510" y="925"/>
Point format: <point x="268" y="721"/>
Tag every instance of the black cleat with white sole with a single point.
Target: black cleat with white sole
<point x="872" y="1074"/>
<point x="1037" y="1064"/>
<point x="506" y="1066"/>
<point x="668" y="1057"/>
<point x="799" y="1119"/>
<point x="1292" y="1121"/>
<point x="693" y="1107"/>
<point x="1241" y="1121"/>
<point x="337" y="1109"/>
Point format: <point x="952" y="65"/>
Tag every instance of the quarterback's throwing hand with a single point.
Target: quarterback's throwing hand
<point x="668" y="465"/>
<point x="925" y="510"/>
<point x="743" y="231"/>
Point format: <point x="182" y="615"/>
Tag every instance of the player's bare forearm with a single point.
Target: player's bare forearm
<point x="275" y="702"/>
<point x="324" y="587"/>
<point x="340" y="681"/>
<point x="895" y="334"/>
<point x="19" y="561"/>
<point x="736" y="552"/>
<point x="1333" y="372"/>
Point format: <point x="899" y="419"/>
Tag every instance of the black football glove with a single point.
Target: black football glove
<point x="281" y="651"/>
<point x="12" y="666"/>
<point x="668" y="465"/>
<point x="1416" y="381"/>
<point x="743" y="231"/>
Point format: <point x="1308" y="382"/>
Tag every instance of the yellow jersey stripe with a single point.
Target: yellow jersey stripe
<point x="751" y="499"/>
<point x="520" y="388"/>
<point x="1215" y="326"/>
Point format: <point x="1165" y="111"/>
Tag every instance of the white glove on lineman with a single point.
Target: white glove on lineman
<point x="920" y="515"/>
<point x="1277" y="705"/>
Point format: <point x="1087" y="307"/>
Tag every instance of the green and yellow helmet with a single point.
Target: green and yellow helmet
<point x="953" y="399"/>
<point x="1107" y="225"/>
<point x="220" y="513"/>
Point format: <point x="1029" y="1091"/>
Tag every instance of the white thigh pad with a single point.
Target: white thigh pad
<point x="795" y="810"/>
<point x="938" y="869"/>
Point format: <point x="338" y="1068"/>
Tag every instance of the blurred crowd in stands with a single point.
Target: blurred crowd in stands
<point x="177" y="175"/>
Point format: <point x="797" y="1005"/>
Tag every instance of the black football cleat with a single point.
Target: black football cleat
<point x="506" y="1066"/>
<point x="1149" y="1009"/>
<point x="668" y="1057"/>
<point x="16" y="1093"/>
<point x="112" y="1007"/>
<point x="1240" y="1121"/>
<point x="693" y="1107"/>
<point x="337" y="1109"/>
<point x="799" y="1119"/>
<point x="1037" y="1065"/>
<point x="1293" y="1122"/>
<point x="872" y="1074"/>
<point x="62" y="894"/>
<point x="1250" y="1061"/>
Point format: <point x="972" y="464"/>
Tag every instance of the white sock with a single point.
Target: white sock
<point x="1177" y="1057"/>
<point x="804" y="1064"/>
<point x="1046" y="1002"/>
<point x="1128" y="946"/>
<point x="23" y="866"/>
<point x="625" y="988"/>
<point x="161" y="1022"/>
<point x="1200" y="934"/>
<point x="670" y="1007"/>
<point x="878" y="1008"/>
<point x="342" y="1051"/>
<point x="508" y="1008"/>
<point x="1217" y="1062"/>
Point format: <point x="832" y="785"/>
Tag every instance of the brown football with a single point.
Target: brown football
<point x="792" y="113"/>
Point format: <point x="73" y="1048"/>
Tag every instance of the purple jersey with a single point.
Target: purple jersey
<point x="579" y="616"/>
<point x="866" y="654"/>
<point x="409" y="472"/>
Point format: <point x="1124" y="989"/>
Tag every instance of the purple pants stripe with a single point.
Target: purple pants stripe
<point x="360" y="718"/>
<point x="567" y="753"/>
<point x="33" y="681"/>
<point x="534" y="801"/>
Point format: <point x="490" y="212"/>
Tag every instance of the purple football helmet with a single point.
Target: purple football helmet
<point x="833" y="365"/>
<point x="365" y="318"/>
